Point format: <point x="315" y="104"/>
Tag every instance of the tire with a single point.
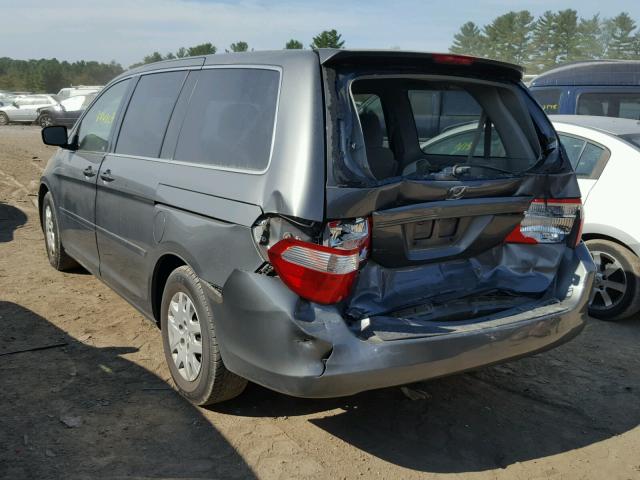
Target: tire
<point x="4" y="119"/>
<point x="44" y="120"/>
<point x="183" y="300"/>
<point x="58" y="258"/>
<point x="617" y="286"/>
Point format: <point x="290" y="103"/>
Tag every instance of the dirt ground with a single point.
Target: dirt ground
<point x="96" y="400"/>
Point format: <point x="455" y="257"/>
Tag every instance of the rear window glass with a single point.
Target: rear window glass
<point x="230" y="119"/>
<point x="622" y="105"/>
<point x="549" y="99"/>
<point x="453" y="125"/>
<point x="148" y="113"/>
<point x="438" y="129"/>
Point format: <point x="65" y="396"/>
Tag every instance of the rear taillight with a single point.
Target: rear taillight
<point x="315" y="272"/>
<point x="323" y="272"/>
<point x="549" y="221"/>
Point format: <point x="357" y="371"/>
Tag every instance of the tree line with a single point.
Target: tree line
<point x="50" y="75"/>
<point x="551" y="39"/>
<point x="325" y="39"/>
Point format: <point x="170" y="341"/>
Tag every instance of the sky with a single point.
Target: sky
<point x="127" y="30"/>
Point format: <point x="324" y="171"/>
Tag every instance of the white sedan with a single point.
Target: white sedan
<point x="605" y="153"/>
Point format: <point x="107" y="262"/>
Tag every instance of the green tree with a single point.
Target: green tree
<point x="508" y="37"/>
<point x="327" y="39"/>
<point x="293" y="45"/>
<point x="239" y="47"/>
<point x="469" y="41"/>
<point x="542" y="48"/>
<point x="589" y="38"/>
<point x="636" y="45"/>
<point x="181" y="52"/>
<point x="622" y="40"/>
<point x="202" y="49"/>
<point x="566" y="38"/>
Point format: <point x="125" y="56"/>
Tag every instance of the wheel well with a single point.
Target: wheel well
<point x="166" y="264"/>
<point x="41" y="193"/>
<point x="598" y="236"/>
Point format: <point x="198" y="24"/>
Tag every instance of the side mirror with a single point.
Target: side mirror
<point x="15" y="105"/>
<point x="56" y="135"/>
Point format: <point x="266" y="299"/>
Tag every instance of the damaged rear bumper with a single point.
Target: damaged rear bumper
<point x="270" y="337"/>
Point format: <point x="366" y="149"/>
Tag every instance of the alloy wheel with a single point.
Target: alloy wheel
<point x="610" y="283"/>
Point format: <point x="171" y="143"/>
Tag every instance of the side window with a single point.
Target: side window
<point x="625" y="105"/>
<point x="96" y="126"/>
<point x="587" y="159"/>
<point x="573" y="146"/>
<point x="548" y="98"/>
<point x="590" y="164"/>
<point x="230" y="118"/>
<point x="147" y="115"/>
<point x="370" y="105"/>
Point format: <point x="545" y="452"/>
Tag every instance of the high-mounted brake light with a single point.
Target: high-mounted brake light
<point x="452" y="59"/>
<point x="315" y="272"/>
<point x="549" y="221"/>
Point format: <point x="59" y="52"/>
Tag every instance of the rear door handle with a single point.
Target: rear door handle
<point x="106" y="176"/>
<point x="88" y="172"/>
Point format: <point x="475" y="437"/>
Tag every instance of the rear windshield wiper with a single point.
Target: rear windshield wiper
<point x="459" y="170"/>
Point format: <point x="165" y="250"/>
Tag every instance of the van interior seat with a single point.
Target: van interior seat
<point x="381" y="159"/>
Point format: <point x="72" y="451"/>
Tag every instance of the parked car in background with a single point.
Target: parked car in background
<point x="605" y="153"/>
<point x="78" y="90"/>
<point x="608" y="88"/>
<point x="309" y="263"/>
<point x="66" y="112"/>
<point x="24" y="109"/>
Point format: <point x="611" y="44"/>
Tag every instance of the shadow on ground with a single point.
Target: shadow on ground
<point x="122" y="420"/>
<point x="582" y="393"/>
<point x="11" y="218"/>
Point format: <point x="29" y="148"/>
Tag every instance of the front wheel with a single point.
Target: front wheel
<point x="190" y="343"/>
<point x="4" y="119"/>
<point x="58" y="258"/>
<point x="616" y="292"/>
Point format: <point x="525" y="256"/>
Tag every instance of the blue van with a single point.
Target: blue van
<point x="609" y="88"/>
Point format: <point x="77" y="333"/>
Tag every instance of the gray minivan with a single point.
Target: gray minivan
<point x="276" y="214"/>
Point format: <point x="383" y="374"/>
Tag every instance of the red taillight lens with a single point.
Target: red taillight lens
<point x="315" y="272"/>
<point x="548" y="221"/>
<point x="452" y="59"/>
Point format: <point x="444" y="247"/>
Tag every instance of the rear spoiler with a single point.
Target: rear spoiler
<point x="420" y="61"/>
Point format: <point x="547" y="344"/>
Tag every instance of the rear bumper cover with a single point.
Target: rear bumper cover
<point x="270" y="337"/>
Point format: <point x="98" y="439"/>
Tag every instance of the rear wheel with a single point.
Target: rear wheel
<point x="617" y="285"/>
<point x="45" y="120"/>
<point x="4" y="119"/>
<point x="58" y="258"/>
<point x="190" y="343"/>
